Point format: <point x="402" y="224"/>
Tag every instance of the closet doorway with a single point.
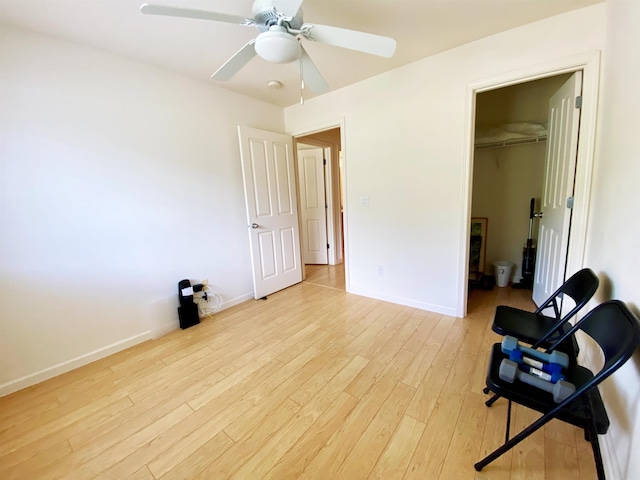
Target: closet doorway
<point x="511" y="126"/>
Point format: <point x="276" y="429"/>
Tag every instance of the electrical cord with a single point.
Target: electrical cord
<point x="204" y="299"/>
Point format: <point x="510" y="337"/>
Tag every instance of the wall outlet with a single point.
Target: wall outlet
<point x="364" y="201"/>
<point x="380" y="271"/>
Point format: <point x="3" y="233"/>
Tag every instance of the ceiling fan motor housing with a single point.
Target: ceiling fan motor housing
<point x="266" y="15"/>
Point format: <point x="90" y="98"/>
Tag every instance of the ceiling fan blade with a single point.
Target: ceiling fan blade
<point x="311" y="75"/>
<point x="165" y="10"/>
<point x="352" y="39"/>
<point x="288" y="7"/>
<point x="235" y="63"/>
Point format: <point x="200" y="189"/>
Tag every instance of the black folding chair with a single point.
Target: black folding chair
<point x="541" y="330"/>
<point x="617" y="331"/>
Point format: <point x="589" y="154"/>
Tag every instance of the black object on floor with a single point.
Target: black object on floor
<point x="481" y="281"/>
<point x="528" y="254"/>
<point x="188" y="310"/>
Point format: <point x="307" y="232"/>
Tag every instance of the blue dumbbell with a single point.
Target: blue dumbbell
<point x="510" y="343"/>
<point x="551" y="372"/>
<point x="509" y="372"/>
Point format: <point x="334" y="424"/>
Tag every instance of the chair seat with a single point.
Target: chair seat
<point x="542" y="401"/>
<point x="530" y="326"/>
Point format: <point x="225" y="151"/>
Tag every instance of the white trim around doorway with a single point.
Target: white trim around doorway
<point x="589" y="63"/>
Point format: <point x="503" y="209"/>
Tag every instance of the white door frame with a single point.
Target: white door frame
<point x="310" y="130"/>
<point x="589" y="63"/>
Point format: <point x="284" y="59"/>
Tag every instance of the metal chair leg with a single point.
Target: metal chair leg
<point x="506" y="435"/>
<point x="514" y="441"/>
<point x="492" y="400"/>
<point x="597" y="455"/>
<point x="591" y="434"/>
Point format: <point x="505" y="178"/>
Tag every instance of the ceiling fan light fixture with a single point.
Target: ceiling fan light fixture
<point x="277" y="46"/>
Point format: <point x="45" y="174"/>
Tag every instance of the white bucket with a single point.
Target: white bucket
<point x="502" y="270"/>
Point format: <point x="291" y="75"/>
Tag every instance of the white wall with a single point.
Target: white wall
<point x="612" y="248"/>
<point x="118" y="180"/>
<point x="405" y="150"/>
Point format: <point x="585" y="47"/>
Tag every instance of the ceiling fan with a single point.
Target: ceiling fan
<point x="279" y="41"/>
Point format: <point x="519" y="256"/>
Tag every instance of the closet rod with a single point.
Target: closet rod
<point x="509" y="143"/>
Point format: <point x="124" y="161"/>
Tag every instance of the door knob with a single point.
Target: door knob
<point x="254" y="225"/>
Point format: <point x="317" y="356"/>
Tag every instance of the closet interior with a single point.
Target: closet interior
<point x="509" y="158"/>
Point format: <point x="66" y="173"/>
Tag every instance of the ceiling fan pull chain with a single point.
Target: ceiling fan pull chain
<point x="301" y="81"/>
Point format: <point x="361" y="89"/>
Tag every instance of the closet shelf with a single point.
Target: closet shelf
<point x="509" y="134"/>
<point x="509" y="143"/>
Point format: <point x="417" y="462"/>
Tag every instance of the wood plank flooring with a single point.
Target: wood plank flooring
<point x="312" y="383"/>
<point x="331" y="276"/>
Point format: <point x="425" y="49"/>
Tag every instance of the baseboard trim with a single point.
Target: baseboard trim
<point x="609" y="461"/>
<point x="66" y="366"/>
<point x="236" y="301"/>
<point x="163" y="329"/>
<point x="405" y="301"/>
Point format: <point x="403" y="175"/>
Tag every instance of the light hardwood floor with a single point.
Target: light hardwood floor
<point x="312" y="383"/>
<point x="331" y="276"/>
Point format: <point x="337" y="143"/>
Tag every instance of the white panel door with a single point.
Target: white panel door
<point x="272" y="210"/>
<point x="559" y="175"/>
<point x="313" y="206"/>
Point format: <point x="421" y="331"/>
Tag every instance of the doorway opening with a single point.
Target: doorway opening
<point x="511" y="144"/>
<point x="588" y="64"/>
<point x="321" y="206"/>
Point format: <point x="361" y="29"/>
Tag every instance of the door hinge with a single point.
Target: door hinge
<point x="569" y="202"/>
<point x="579" y="101"/>
<point x="326" y="205"/>
<point x="324" y="161"/>
<point x="327" y="245"/>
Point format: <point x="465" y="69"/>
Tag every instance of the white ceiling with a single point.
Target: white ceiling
<point x="197" y="47"/>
